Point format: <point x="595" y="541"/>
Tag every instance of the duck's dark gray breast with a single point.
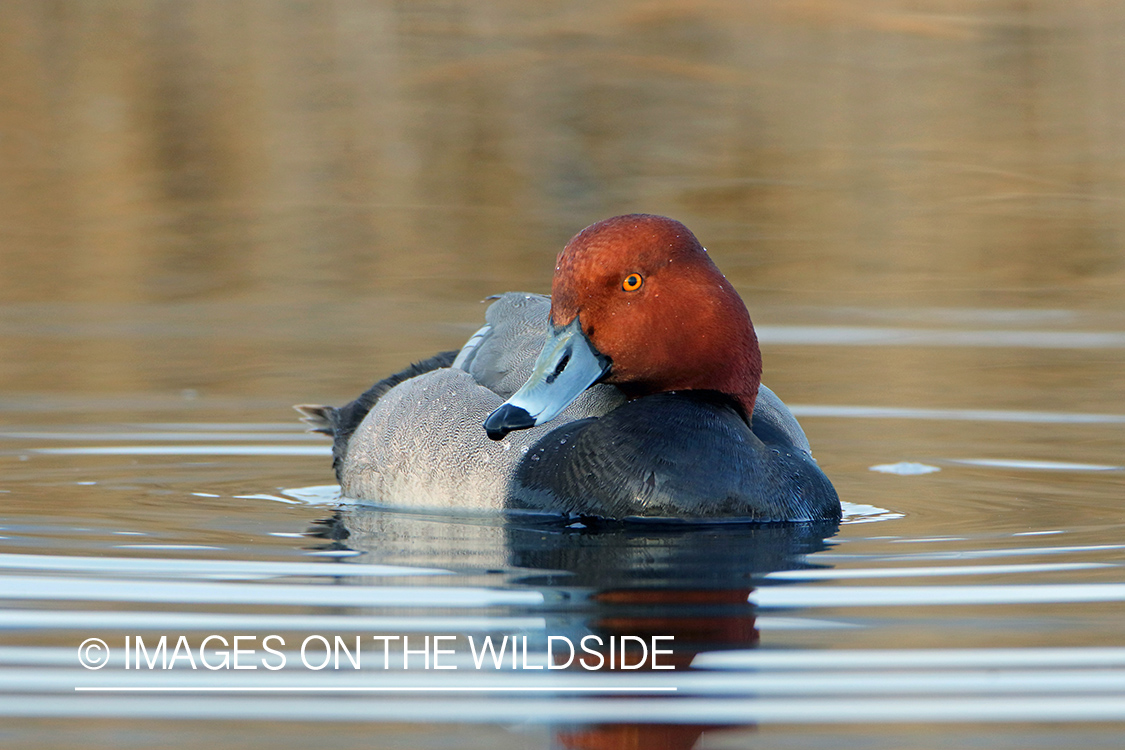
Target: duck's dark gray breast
<point x="686" y="455"/>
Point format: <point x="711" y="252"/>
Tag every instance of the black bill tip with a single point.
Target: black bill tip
<point x="507" y="418"/>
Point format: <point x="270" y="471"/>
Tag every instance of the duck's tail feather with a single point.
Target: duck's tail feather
<point x="339" y="423"/>
<point x="322" y="419"/>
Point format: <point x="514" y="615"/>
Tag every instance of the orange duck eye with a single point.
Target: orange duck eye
<point x="632" y="282"/>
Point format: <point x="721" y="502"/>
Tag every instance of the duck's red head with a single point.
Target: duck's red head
<point x="648" y="297"/>
<point x="637" y="303"/>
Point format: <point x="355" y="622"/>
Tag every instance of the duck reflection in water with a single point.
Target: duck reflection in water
<point x="692" y="583"/>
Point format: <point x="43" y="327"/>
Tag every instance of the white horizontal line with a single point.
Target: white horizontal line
<point x="192" y="450"/>
<point x="935" y="658"/>
<point x="149" y="566"/>
<point x="913" y="596"/>
<point x="728" y="682"/>
<point x="148" y="620"/>
<point x="887" y="336"/>
<point x="379" y="689"/>
<point x="588" y="710"/>
<point x="306" y="595"/>
<point x="825" y="574"/>
<point x="956" y="415"/>
<point x="972" y="554"/>
<point x="196" y="437"/>
<point x="1033" y="465"/>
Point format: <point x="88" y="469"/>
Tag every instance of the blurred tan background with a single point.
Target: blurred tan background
<point x="246" y="197"/>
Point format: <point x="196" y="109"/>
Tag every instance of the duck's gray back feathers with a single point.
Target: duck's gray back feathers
<point x="500" y="355"/>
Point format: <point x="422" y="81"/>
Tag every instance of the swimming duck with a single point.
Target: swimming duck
<point x="633" y="392"/>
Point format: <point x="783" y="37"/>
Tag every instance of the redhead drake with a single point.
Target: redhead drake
<point x="633" y="392"/>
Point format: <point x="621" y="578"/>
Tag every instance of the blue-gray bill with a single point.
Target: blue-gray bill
<point x="567" y="366"/>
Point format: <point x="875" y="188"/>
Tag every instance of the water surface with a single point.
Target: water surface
<point x="208" y="213"/>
